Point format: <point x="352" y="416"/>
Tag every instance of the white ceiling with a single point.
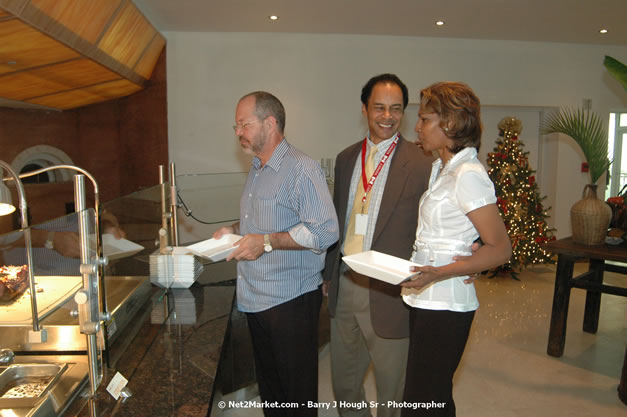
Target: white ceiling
<point x="575" y="21"/>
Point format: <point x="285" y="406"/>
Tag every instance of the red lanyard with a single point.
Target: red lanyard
<point x="368" y="184"/>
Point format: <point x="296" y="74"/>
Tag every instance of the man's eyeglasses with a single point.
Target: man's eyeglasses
<point x="243" y="125"/>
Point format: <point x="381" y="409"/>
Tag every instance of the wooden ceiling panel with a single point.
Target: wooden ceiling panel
<point x="72" y="14"/>
<point x="69" y="53"/>
<point x="13" y="6"/>
<point x="129" y="24"/>
<point x="53" y="79"/>
<point x="27" y="47"/>
<point x="89" y="95"/>
<point x="147" y="62"/>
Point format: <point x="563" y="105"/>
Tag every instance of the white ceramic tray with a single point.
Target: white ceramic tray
<point x="118" y="248"/>
<point x="215" y="249"/>
<point x="381" y="266"/>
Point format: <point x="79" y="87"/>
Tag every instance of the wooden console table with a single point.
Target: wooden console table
<point x="592" y="281"/>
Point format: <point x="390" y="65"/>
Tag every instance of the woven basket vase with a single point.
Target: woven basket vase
<point x="590" y="218"/>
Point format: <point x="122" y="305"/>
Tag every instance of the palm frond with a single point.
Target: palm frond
<point x="617" y="69"/>
<point x="586" y="128"/>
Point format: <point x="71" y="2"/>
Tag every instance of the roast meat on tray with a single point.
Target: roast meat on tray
<point x="13" y="281"/>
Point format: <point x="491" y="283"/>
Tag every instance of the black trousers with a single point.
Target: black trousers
<point x="436" y="343"/>
<point x="285" y="345"/>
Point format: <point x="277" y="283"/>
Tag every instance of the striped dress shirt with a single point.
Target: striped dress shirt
<point x="288" y="194"/>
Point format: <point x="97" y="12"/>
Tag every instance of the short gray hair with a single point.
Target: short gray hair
<point x="267" y="105"/>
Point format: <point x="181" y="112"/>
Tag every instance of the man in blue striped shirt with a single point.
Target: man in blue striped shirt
<point x="287" y="221"/>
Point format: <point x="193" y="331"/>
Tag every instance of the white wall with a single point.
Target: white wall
<point x="319" y="78"/>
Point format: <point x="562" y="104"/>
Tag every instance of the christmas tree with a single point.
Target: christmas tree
<point x="518" y="200"/>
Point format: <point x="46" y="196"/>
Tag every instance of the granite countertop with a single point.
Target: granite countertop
<point x="170" y="352"/>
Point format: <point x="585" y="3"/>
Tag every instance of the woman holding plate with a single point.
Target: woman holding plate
<point x="458" y="207"/>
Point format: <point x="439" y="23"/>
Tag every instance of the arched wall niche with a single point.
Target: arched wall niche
<point x="44" y="156"/>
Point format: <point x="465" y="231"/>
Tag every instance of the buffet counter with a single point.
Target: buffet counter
<point x="89" y="321"/>
<point x="170" y="353"/>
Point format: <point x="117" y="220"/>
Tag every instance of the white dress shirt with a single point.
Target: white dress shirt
<point x="444" y="229"/>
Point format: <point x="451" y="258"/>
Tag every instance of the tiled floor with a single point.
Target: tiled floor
<point x="506" y="372"/>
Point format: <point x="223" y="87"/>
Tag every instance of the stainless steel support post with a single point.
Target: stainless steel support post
<point x="87" y="298"/>
<point x="164" y="206"/>
<point x="91" y="404"/>
<point x="101" y="262"/>
<point x="165" y="213"/>
<point x="173" y="207"/>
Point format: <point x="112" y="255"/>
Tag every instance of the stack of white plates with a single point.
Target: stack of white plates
<point x="174" y="271"/>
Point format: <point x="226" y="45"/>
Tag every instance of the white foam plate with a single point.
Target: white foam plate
<point x="215" y="249"/>
<point x="381" y="266"/>
<point x="180" y="250"/>
<point x="118" y="248"/>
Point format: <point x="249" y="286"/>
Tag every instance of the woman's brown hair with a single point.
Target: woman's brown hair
<point x="459" y="110"/>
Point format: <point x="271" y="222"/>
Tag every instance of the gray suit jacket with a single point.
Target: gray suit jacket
<point x="394" y="234"/>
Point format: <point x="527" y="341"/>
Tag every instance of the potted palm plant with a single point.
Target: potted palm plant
<point x="617" y="69"/>
<point x="590" y="216"/>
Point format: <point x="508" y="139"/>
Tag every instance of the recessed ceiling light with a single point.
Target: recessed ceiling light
<point x="273" y="17"/>
<point x="439" y="23"/>
<point x="603" y="31"/>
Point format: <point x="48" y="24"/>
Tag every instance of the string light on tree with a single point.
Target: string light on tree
<point x="518" y="200"/>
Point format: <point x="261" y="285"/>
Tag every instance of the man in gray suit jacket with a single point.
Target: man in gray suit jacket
<point x="369" y="322"/>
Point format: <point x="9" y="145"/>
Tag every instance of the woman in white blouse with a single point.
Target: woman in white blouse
<point x="458" y="208"/>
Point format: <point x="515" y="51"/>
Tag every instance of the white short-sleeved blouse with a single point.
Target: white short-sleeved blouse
<point x="444" y="229"/>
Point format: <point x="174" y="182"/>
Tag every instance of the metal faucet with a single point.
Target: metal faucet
<point x="6" y="356"/>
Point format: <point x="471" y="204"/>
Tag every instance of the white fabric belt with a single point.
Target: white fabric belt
<point x="439" y="252"/>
